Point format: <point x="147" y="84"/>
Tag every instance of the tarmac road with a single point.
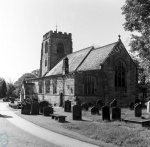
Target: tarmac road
<point x="20" y="127"/>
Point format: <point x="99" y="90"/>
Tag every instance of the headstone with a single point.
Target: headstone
<point x="148" y="107"/>
<point x="35" y="108"/>
<point x="99" y="104"/>
<point x="26" y="109"/>
<point x="138" y="110"/>
<point x="47" y="111"/>
<point x="113" y="103"/>
<point x="42" y="105"/>
<point x="67" y="107"/>
<point x="116" y="113"/>
<point x="85" y="106"/>
<point x="105" y="113"/>
<point x="94" y="110"/>
<point x="77" y="112"/>
<point x="131" y="106"/>
<point x="78" y="102"/>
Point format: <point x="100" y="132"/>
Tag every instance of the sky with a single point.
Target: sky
<point x="24" y="22"/>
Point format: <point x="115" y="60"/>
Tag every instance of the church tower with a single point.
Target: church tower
<point x="55" y="46"/>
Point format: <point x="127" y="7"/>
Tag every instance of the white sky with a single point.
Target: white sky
<point x="24" y="22"/>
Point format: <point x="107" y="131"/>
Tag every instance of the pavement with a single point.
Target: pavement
<point x="40" y="132"/>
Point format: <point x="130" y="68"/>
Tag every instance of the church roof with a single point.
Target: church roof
<point x="86" y="59"/>
<point x="74" y="61"/>
<point x="96" y="57"/>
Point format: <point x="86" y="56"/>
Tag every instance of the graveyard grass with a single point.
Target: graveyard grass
<point x="116" y="132"/>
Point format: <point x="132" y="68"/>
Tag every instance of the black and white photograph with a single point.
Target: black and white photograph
<point x="74" y="73"/>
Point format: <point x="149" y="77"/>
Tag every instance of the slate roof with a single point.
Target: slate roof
<point x="74" y="59"/>
<point x="96" y="57"/>
<point x="85" y="59"/>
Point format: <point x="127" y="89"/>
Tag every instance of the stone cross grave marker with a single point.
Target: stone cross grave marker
<point x="99" y="104"/>
<point x="67" y="107"/>
<point x="138" y="110"/>
<point x="94" y="110"/>
<point x="116" y="113"/>
<point x="105" y="113"/>
<point x="77" y="112"/>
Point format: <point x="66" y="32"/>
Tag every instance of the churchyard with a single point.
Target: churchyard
<point x="96" y="124"/>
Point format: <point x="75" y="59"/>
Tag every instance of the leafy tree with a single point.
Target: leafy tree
<point x="18" y="83"/>
<point x="36" y="72"/>
<point x="137" y="16"/>
<point x="3" y="89"/>
<point x="10" y="89"/>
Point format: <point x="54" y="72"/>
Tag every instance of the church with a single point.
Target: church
<point x="104" y="73"/>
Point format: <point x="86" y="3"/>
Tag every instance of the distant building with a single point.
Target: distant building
<point x="105" y="73"/>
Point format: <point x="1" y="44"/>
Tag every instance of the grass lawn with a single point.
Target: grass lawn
<point x="92" y="129"/>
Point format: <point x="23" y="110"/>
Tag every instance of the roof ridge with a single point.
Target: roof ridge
<point x="80" y="50"/>
<point x="104" y="46"/>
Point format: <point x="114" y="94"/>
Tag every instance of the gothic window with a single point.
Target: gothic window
<point x="46" y="47"/>
<point x="47" y="86"/>
<point x="54" y="86"/>
<point x="60" y="48"/>
<point x="89" y="85"/>
<point x="40" y="86"/>
<point x="120" y="74"/>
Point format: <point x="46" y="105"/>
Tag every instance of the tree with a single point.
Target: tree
<point x="3" y="88"/>
<point x="36" y="72"/>
<point x="137" y="16"/>
<point x="10" y="89"/>
<point x="18" y="83"/>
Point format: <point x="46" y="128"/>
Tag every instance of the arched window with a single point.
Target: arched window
<point x="60" y="48"/>
<point x="89" y="85"/>
<point x="46" y="47"/>
<point x="120" y="74"/>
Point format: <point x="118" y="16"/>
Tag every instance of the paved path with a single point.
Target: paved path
<point x="40" y="132"/>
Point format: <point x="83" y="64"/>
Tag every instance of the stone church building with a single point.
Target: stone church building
<point x="105" y="73"/>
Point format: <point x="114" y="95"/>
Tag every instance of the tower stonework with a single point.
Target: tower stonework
<point x="55" y="46"/>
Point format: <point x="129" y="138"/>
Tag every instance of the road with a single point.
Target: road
<point x="23" y="133"/>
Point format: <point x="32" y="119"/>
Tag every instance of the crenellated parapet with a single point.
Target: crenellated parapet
<point x="56" y="34"/>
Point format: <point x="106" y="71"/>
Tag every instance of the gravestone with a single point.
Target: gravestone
<point x="42" y="105"/>
<point x="67" y="107"/>
<point x="131" y="106"/>
<point x="35" y="108"/>
<point x="94" y="110"/>
<point x="99" y="104"/>
<point x="47" y="111"/>
<point x="85" y="106"/>
<point x="116" y="113"/>
<point x="78" y="102"/>
<point x="138" y="110"/>
<point x="113" y="103"/>
<point x="105" y="113"/>
<point x="26" y="108"/>
<point x="77" y="112"/>
<point x="137" y="101"/>
<point x="148" y="107"/>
